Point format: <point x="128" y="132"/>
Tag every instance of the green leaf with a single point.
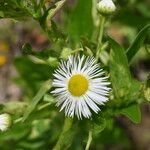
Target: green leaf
<point x="98" y="126"/>
<point x="133" y="113"/>
<point x="119" y="70"/>
<point x="48" y="98"/>
<point x="45" y="87"/>
<point x="67" y="133"/>
<point x="79" y="20"/>
<point x="30" y="79"/>
<point x="137" y="43"/>
<point x="15" y="133"/>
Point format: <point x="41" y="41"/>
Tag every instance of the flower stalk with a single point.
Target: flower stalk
<point x="89" y="140"/>
<point x="100" y="35"/>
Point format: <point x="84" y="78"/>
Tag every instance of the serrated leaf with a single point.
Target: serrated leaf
<point x="133" y="113"/>
<point x="119" y="70"/>
<point x="44" y="88"/>
<point x="137" y="43"/>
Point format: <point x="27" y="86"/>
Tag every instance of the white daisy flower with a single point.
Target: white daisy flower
<point x="106" y="7"/>
<point x="80" y="87"/>
<point x="5" y="122"/>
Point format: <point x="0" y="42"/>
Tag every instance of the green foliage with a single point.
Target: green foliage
<point x="111" y="135"/>
<point x="119" y="70"/>
<point x="37" y="122"/>
<point x="127" y="14"/>
<point x="31" y="78"/>
<point x="79" y="20"/>
<point x="137" y="43"/>
<point x="44" y="88"/>
<point x="16" y="9"/>
<point x="98" y="126"/>
<point x="133" y="113"/>
<point x="126" y="89"/>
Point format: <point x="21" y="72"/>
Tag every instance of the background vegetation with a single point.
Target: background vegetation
<point x="34" y="35"/>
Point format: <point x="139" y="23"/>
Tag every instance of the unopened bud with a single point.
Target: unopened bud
<point x="106" y="7"/>
<point x="5" y="122"/>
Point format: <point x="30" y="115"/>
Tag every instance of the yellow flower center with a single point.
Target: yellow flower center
<point x="78" y="85"/>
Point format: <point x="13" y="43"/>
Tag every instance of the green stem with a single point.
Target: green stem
<point x="100" y="35"/>
<point x="36" y="60"/>
<point x="62" y="141"/>
<point x="45" y="20"/>
<point x="89" y="140"/>
<point x="44" y="88"/>
<point x="18" y="120"/>
<point x="45" y="105"/>
<point x="53" y="11"/>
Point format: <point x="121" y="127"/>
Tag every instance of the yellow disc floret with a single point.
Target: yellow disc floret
<point x="78" y="85"/>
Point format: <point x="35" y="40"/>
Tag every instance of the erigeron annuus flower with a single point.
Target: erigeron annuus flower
<point x="5" y="122"/>
<point x="80" y="86"/>
<point x="106" y="7"/>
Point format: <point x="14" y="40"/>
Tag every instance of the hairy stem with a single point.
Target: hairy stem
<point x="89" y="140"/>
<point x="100" y="36"/>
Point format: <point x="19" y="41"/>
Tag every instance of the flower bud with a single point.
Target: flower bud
<point x="106" y="7"/>
<point x="5" y="122"/>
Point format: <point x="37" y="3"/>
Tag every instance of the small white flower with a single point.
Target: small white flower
<point x="80" y="87"/>
<point x="5" y="122"/>
<point x="106" y="7"/>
